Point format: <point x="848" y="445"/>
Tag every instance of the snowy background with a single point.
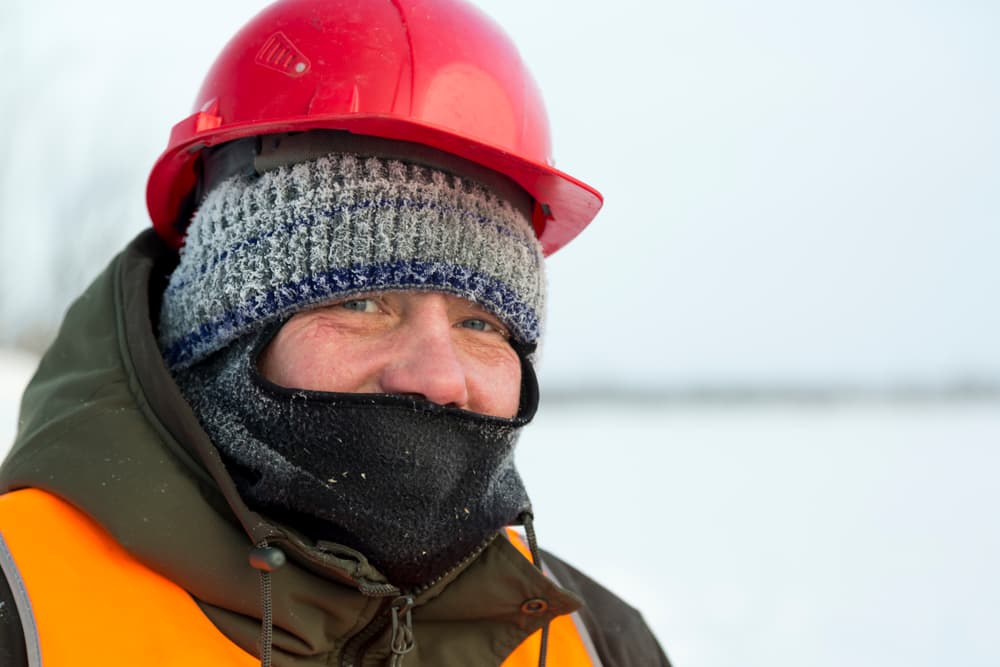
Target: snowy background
<point x="772" y="362"/>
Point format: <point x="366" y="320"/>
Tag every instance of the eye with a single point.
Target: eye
<point x="360" y="305"/>
<point x="479" y="324"/>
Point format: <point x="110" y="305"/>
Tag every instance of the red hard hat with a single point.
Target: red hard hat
<point x="433" y="72"/>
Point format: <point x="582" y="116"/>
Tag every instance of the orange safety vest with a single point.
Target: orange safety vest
<point x="155" y="621"/>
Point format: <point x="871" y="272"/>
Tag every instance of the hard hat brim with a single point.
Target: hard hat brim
<point x="564" y="205"/>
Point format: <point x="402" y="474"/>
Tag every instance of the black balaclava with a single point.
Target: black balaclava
<point x="413" y="486"/>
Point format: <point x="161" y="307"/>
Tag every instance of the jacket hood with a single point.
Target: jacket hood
<point x="104" y="426"/>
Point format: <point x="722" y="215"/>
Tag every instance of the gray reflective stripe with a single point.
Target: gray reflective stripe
<point x="20" y="593"/>
<point x="581" y="627"/>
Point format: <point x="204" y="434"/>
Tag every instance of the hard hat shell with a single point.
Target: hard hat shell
<point x="433" y="72"/>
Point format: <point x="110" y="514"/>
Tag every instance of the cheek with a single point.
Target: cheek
<point x="495" y="387"/>
<point x="283" y="364"/>
<point x="315" y="360"/>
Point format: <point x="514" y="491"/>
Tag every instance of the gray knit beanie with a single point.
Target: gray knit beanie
<point x="260" y="249"/>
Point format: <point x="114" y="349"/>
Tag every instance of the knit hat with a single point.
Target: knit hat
<point x="260" y="249"/>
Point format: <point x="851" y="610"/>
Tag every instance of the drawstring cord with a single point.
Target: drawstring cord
<point x="266" y="560"/>
<point x="536" y="558"/>
<point x="402" y="641"/>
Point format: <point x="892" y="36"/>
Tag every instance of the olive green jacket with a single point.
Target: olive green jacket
<point x="104" y="426"/>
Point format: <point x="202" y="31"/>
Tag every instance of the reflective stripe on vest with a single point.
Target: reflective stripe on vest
<point x="73" y="583"/>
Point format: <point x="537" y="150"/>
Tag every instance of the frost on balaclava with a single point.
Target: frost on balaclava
<point x="413" y="486"/>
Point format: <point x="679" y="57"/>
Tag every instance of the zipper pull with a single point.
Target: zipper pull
<point x="402" y="641"/>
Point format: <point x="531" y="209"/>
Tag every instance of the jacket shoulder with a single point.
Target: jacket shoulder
<point x="620" y="634"/>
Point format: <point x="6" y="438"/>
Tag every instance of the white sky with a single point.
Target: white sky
<point x="796" y="191"/>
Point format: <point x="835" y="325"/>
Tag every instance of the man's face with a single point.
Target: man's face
<point x="443" y="348"/>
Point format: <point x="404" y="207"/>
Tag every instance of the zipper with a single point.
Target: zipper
<point x="352" y="649"/>
<point x="400" y="617"/>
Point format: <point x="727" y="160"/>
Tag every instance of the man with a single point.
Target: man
<point x="291" y="443"/>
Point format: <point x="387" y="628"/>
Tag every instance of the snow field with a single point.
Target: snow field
<point x="859" y="534"/>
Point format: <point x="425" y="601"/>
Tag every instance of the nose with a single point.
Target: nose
<point x="426" y="363"/>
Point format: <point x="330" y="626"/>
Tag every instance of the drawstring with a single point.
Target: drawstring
<point x="536" y="558"/>
<point x="402" y="641"/>
<point x="266" y="560"/>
